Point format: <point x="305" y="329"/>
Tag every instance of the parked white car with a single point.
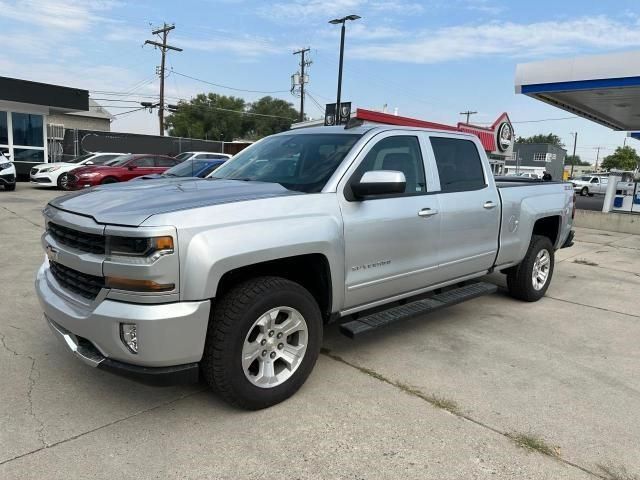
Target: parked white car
<point x="56" y="174"/>
<point x="7" y="173"/>
<point x="590" y="185"/>
<point x="202" y="156"/>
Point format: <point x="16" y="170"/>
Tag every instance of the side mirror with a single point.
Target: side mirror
<point x="132" y="167"/>
<point x="379" y="182"/>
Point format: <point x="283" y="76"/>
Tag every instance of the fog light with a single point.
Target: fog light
<point x="129" y="336"/>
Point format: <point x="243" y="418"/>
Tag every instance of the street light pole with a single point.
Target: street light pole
<point x="342" y="30"/>
<point x="338" y="21"/>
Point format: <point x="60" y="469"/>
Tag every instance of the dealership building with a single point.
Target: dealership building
<point x="24" y="110"/>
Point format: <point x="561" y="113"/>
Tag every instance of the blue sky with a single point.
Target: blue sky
<point x="430" y="59"/>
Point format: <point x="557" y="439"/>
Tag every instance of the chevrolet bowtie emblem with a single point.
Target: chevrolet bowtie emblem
<point x="52" y="253"/>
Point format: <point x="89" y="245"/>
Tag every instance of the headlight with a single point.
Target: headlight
<point x="50" y="169"/>
<point x="146" y="249"/>
<point x="5" y="165"/>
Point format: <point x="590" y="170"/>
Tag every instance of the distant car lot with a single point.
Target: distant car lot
<point x="439" y="394"/>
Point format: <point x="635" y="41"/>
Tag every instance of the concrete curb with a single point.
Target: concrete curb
<point x="614" y="222"/>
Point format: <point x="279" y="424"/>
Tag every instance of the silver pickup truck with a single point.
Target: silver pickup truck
<point x="233" y="278"/>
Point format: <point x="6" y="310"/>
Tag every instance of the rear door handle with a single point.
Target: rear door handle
<point x="427" y="212"/>
<point x="489" y="205"/>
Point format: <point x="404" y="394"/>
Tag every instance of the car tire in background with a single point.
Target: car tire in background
<point x="10" y="187"/>
<point x="63" y="181"/>
<point x="530" y="279"/>
<point x="584" y="192"/>
<point x="263" y="340"/>
<point x="108" y="180"/>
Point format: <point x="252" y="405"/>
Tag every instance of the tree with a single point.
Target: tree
<point x="540" y="138"/>
<point x="272" y="115"/>
<point x="624" y="158"/>
<point x="571" y="160"/>
<point x="208" y="116"/>
<point x="218" y="117"/>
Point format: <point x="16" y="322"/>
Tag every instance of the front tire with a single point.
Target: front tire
<point x="109" y="180"/>
<point x="262" y="342"/>
<point x="530" y="280"/>
<point x="584" y="192"/>
<point x="10" y="187"/>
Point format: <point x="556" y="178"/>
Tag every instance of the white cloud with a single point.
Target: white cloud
<point x="68" y="15"/>
<point x="506" y="39"/>
<point x="245" y="46"/>
<point x="296" y="9"/>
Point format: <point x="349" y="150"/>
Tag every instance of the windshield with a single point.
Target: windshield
<point x="183" y="156"/>
<point x="191" y="168"/>
<point x="81" y="158"/>
<point x="585" y="179"/>
<point x="302" y="162"/>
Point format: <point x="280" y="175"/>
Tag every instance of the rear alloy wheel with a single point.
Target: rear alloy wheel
<point x="263" y="340"/>
<point x="63" y="181"/>
<point x="529" y="280"/>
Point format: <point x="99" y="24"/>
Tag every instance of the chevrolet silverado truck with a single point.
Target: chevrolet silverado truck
<point x="233" y="278"/>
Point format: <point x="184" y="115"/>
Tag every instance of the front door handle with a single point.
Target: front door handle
<point x="489" y="205"/>
<point x="427" y="212"/>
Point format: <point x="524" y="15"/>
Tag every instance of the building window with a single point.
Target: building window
<point x="4" y="132"/>
<point x="28" y="155"/>
<point x="539" y="157"/>
<point x="27" y="129"/>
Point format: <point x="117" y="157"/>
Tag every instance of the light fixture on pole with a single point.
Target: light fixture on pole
<point x="341" y="21"/>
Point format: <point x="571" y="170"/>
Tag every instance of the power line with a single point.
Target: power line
<point x="226" y="86"/>
<point x="162" y="33"/>
<point x="130" y="111"/>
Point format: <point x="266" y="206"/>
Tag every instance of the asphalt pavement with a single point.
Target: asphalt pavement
<point x="590" y="203"/>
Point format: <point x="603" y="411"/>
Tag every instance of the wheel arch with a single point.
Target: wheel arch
<point x="548" y="227"/>
<point x="312" y="271"/>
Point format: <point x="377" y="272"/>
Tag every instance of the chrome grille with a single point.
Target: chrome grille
<point x="87" y="242"/>
<point x="87" y="286"/>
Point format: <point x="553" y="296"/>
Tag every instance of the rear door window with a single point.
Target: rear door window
<point x="143" y="162"/>
<point x="459" y="164"/>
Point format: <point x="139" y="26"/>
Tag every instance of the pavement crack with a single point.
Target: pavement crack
<point x="592" y="306"/>
<point x="34" y="375"/>
<point x="106" y="425"/>
<point x="453" y="411"/>
<point x="21" y="217"/>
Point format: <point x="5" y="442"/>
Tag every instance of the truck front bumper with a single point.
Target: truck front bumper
<point x="170" y="336"/>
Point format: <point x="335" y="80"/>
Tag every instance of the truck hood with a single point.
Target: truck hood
<point x="131" y="203"/>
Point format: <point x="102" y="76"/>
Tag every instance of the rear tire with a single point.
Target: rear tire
<point x="108" y="180"/>
<point x="525" y="280"/>
<point x="250" y="357"/>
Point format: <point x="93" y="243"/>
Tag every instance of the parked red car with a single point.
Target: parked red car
<point x="120" y="169"/>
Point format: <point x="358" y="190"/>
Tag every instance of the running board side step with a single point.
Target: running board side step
<point x="369" y="323"/>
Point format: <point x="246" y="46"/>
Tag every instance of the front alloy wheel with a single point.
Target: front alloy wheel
<point x="274" y="347"/>
<point x="263" y="340"/>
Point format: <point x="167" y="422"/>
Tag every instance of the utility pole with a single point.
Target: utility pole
<point x="303" y="78"/>
<point x="573" y="159"/>
<point x="597" y="156"/>
<point x="468" y="113"/>
<point x="162" y="33"/>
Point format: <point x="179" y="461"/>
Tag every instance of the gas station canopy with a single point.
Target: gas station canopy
<point x="601" y="88"/>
